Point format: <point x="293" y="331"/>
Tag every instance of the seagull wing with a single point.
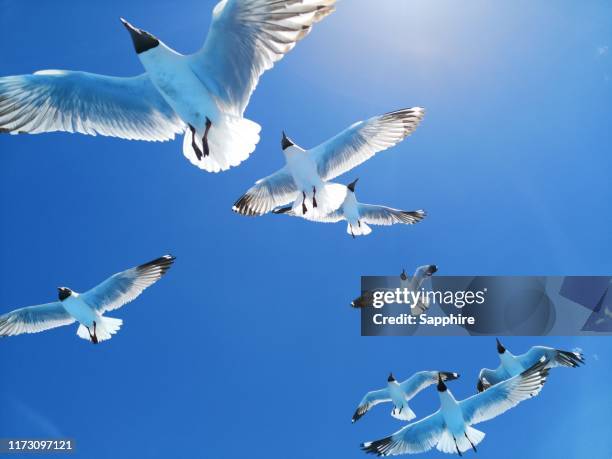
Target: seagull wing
<point x="123" y="287"/>
<point x="363" y="140"/>
<point x="246" y="38"/>
<point x="381" y="215"/>
<point x="333" y="217"/>
<point x="489" y="377"/>
<point x="556" y="357"/>
<point x="417" y="437"/>
<point x="505" y="395"/>
<point x="268" y="193"/>
<point x="34" y="319"/>
<point x="371" y="398"/>
<point x="59" y="100"/>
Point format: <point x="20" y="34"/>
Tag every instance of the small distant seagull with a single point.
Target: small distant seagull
<point x="400" y="393"/>
<point x="87" y="308"/>
<point x="303" y="179"/>
<point x="359" y="215"/>
<point x="450" y="428"/>
<point x="415" y="283"/>
<point x="203" y="94"/>
<point x="512" y="365"/>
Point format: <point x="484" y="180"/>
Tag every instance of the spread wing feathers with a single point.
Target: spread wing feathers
<point x="34" y="319"/>
<point x="488" y="378"/>
<point x="268" y="193"/>
<point x="381" y="215"/>
<point x="505" y="395"/>
<point x="556" y="357"/>
<point x="417" y="437"/>
<point x="363" y="140"/>
<point x="123" y="287"/>
<point x="423" y="379"/>
<point x="371" y="398"/>
<point x="333" y="217"/>
<point x="247" y="37"/>
<point x="59" y="100"/>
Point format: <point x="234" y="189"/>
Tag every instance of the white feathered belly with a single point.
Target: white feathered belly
<point x="304" y="173"/>
<point x="79" y="310"/>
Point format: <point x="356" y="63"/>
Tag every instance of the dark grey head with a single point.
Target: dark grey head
<point x="500" y="348"/>
<point x="63" y="293"/>
<point x="143" y="40"/>
<point x="391" y="378"/>
<point x="441" y="386"/>
<point x="286" y="142"/>
<point x="431" y="270"/>
<point x="480" y="386"/>
<point x="351" y="186"/>
<point x="403" y="275"/>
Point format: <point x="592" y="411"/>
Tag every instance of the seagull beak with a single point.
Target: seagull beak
<point x="129" y="26"/>
<point x="351" y="186"/>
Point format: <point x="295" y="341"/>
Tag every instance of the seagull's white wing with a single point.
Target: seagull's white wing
<point x="556" y="357"/>
<point x="59" y="100"/>
<point x="246" y="38"/>
<point x="363" y="140"/>
<point x="268" y="193"/>
<point x="417" y="437"/>
<point x="34" y="319"/>
<point x="423" y="379"/>
<point x="333" y="217"/>
<point x="381" y="215"/>
<point x="369" y="400"/>
<point x="505" y="395"/>
<point x="123" y="287"/>
<point x="488" y="378"/>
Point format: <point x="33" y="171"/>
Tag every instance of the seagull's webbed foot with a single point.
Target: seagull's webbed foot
<point x="468" y="439"/>
<point x="304" y="208"/>
<point x="205" y="137"/>
<point x="314" y="196"/>
<point x="194" y="144"/>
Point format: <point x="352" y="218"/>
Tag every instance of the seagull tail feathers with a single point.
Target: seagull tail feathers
<point x="447" y="443"/>
<point x="105" y="328"/>
<point x="231" y="140"/>
<point x="406" y="414"/>
<point x="358" y="230"/>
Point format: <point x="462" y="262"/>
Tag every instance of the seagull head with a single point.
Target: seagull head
<point x="143" y="40"/>
<point x="403" y="275"/>
<point x="351" y="186"/>
<point x="63" y="293"/>
<point x="500" y="348"/>
<point x="480" y="386"/>
<point x="431" y="270"/>
<point x="286" y="142"/>
<point x="441" y="386"/>
<point x="391" y="378"/>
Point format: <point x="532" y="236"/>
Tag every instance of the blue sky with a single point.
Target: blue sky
<point x="248" y="347"/>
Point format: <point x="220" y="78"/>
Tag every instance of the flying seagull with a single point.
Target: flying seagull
<point x="450" y="428"/>
<point x="359" y="215"/>
<point x="400" y="393"/>
<point x="414" y="284"/>
<point x="512" y="365"/>
<point x="203" y="95"/>
<point x="303" y="179"/>
<point x="87" y="308"/>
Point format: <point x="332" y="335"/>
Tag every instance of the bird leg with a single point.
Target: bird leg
<point x="458" y="452"/>
<point x="304" y="209"/>
<point x="205" y="137"/>
<point x="314" y="196"/>
<point x="93" y="338"/>
<point x="194" y="144"/>
<point x="352" y="234"/>
<point x="359" y="223"/>
<point x="468" y="439"/>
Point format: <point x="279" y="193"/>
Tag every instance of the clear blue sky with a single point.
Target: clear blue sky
<point x="248" y="347"/>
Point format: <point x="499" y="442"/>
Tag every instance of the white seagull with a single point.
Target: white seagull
<point x="359" y="215"/>
<point x="450" y="428"/>
<point x="203" y="94"/>
<point x="400" y="393"/>
<point x="511" y="365"/>
<point x="302" y="181"/>
<point x="87" y="308"/>
<point x="415" y="284"/>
